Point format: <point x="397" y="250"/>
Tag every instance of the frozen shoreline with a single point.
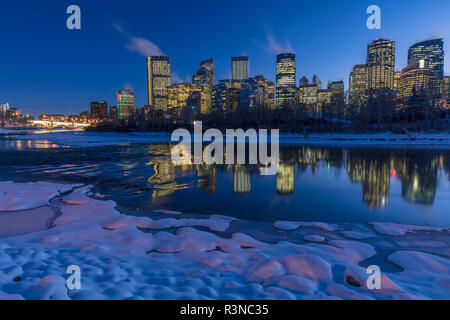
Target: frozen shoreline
<point x="387" y="139"/>
<point x="126" y="257"/>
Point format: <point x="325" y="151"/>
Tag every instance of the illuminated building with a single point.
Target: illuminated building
<point x="307" y="94"/>
<point x="220" y="96"/>
<point x="239" y="70"/>
<point x="198" y="101"/>
<point x="337" y="89"/>
<point x="397" y="77"/>
<point x="158" y="79"/>
<point x="209" y="65"/>
<point x="446" y="94"/>
<point x="99" y="110"/>
<point x="125" y="103"/>
<point x="324" y="96"/>
<point x="178" y="95"/>
<point x="285" y="74"/>
<point x="260" y="87"/>
<point x="416" y="78"/>
<point x="430" y="55"/>
<point x="271" y="95"/>
<point x="203" y="78"/>
<point x="357" y="84"/>
<point x="380" y="65"/>
<point x="233" y="96"/>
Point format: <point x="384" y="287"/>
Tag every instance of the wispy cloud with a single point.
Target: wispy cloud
<point x="139" y="45"/>
<point x="277" y="47"/>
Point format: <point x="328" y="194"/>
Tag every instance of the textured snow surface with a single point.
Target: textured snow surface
<point x="127" y="257"/>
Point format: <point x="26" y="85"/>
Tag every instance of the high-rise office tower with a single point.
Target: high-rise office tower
<point x="220" y="95"/>
<point x="447" y="88"/>
<point x="271" y="95"/>
<point x="209" y="65"/>
<point x="316" y="81"/>
<point x="239" y="69"/>
<point x="99" y="110"/>
<point x="430" y="55"/>
<point x="125" y="103"/>
<point x="204" y="77"/>
<point x="303" y="81"/>
<point x="357" y="84"/>
<point x="397" y="77"/>
<point x="380" y="65"/>
<point x="415" y="77"/>
<point x="337" y="88"/>
<point x="158" y="77"/>
<point x="285" y="75"/>
<point x="178" y="95"/>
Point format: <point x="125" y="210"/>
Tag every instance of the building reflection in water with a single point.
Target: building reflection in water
<point x="163" y="180"/>
<point x="206" y="178"/>
<point x="419" y="176"/>
<point x="373" y="169"/>
<point x="241" y="179"/>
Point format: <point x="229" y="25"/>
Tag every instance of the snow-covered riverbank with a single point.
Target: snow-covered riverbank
<point x="387" y="139"/>
<point x="175" y="257"/>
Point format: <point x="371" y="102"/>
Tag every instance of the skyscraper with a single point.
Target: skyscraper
<point x="303" y="81"/>
<point x="271" y="95"/>
<point x="99" y="110"/>
<point x="209" y="65"/>
<point x="380" y="65"/>
<point x="357" y="84"/>
<point x="239" y="69"/>
<point x="220" y="96"/>
<point x="337" y="88"/>
<point x="204" y="77"/>
<point x="430" y="55"/>
<point x="316" y="81"/>
<point x="285" y="75"/>
<point x="158" y="76"/>
<point x="415" y="77"/>
<point x="125" y="103"/>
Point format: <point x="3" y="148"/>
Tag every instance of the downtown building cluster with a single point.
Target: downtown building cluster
<point x="377" y="77"/>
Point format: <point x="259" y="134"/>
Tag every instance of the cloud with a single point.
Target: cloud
<point x="144" y="47"/>
<point x="277" y="47"/>
<point x="176" y="78"/>
<point x="139" y="45"/>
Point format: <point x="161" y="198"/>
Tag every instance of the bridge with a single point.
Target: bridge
<point x="58" y="124"/>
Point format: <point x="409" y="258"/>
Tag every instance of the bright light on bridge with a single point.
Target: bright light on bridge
<point x="53" y="124"/>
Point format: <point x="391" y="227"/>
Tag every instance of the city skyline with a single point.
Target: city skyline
<point x="70" y="100"/>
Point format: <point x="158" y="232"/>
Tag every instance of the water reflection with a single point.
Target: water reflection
<point x="373" y="169"/>
<point x="311" y="183"/>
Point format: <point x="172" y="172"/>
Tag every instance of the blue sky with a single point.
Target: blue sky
<point x="44" y="67"/>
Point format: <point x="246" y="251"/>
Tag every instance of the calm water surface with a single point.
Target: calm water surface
<point x="330" y="184"/>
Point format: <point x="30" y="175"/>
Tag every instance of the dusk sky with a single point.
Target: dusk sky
<point x="44" y="67"/>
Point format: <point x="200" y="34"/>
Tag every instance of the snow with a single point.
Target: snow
<point x="127" y="257"/>
<point x="394" y="229"/>
<point x="289" y="225"/>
